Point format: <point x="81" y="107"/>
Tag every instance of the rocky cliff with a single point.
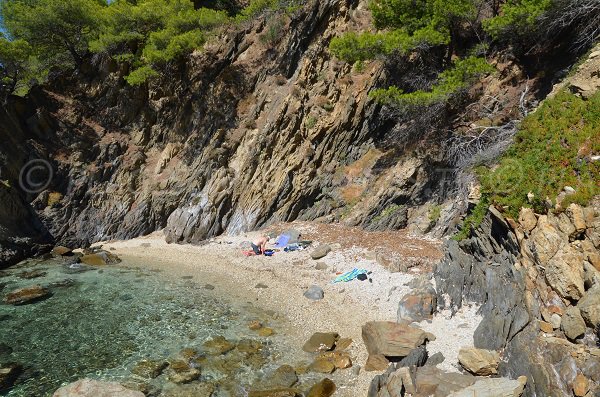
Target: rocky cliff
<point x="261" y="125"/>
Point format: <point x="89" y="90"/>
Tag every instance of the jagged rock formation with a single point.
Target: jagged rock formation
<point x="523" y="274"/>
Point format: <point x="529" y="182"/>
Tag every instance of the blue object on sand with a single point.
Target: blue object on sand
<point x="349" y="276"/>
<point x="282" y="240"/>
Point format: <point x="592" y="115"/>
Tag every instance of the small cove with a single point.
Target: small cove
<point x="101" y="322"/>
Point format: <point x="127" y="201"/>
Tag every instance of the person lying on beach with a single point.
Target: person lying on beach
<point x="259" y="245"/>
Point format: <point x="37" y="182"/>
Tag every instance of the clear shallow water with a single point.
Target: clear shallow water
<point x="101" y="322"/>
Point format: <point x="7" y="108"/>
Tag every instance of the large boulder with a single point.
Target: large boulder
<point x="385" y="339"/>
<point x="95" y="388"/>
<point x="479" y="361"/>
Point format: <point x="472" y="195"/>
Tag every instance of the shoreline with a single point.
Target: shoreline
<point x="286" y="275"/>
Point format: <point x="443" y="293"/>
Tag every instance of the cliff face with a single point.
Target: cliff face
<point x="262" y="125"/>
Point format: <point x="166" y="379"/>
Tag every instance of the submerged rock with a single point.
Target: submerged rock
<point x="149" y="369"/>
<point x="27" y="295"/>
<point x="324" y="388"/>
<point x="182" y="372"/>
<point x="28" y="275"/>
<point x="9" y="374"/>
<point x="218" y="345"/>
<point x="282" y="392"/>
<point x="95" y="388"/>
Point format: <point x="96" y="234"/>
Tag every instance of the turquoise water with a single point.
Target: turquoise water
<point x="102" y="321"/>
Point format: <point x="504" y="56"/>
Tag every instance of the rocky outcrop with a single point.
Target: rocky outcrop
<point x="538" y="290"/>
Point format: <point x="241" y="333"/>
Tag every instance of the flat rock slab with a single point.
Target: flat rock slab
<point x="392" y="339"/>
<point x="431" y="381"/>
<point x="23" y="296"/>
<point x="94" y="388"/>
<point x="493" y="387"/>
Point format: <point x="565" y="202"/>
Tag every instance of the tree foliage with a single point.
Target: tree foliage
<point x="15" y="58"/>
<point x="518" y="17"/>
<point x="410" y="25"/>
<point x="450" y="81"/>
<point x="153" y="32"/>
<point x="55" y="29"/>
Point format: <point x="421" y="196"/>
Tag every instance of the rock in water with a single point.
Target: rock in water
<point x="274" y="393"/>
<point x="284" y="376"/>
<point x="493" y="387"/>
<point x="26" y="295"/>
<point x="149" y="369"/>
<point x="572" y="323"/>
<point x="324" y="388"/>
<point x="8" y="375"/>
<point x="479" y="361"/>
<point x="322" y="365"/>
<point x="59" y="250"/>
<point x="94" y="388"/>
<point x="321" y="341"/>
<point x="314" y="293"/>
<point x="389" y="339"/>
<point x="320" y="252"/>
<point x="218" y="345"/>
<point x="101" y="258"/>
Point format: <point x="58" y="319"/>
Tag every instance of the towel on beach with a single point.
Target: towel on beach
<point x="349" y="276"/>
<point x="282" y="240"/>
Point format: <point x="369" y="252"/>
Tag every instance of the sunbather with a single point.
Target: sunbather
<point x="259" y="245"/>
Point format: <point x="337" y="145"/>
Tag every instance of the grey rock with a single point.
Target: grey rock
<point x="261" y="286"/>
<point x="314" y="292"/>
<point x="589" y="306"/>
<point x="321" y="266"/>
<point x="435" y="359"/>
<point x="417" y="358"/>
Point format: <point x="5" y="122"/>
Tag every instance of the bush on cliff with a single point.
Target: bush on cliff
<point x="552" y="149"/>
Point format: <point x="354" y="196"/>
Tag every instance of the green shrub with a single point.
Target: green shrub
<point x="450" y="81"/>
<point x="473" y="220"/>
<point x="518" y="17"/>
<point x="551" y="150"/>
<point x="434" y="213"/>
